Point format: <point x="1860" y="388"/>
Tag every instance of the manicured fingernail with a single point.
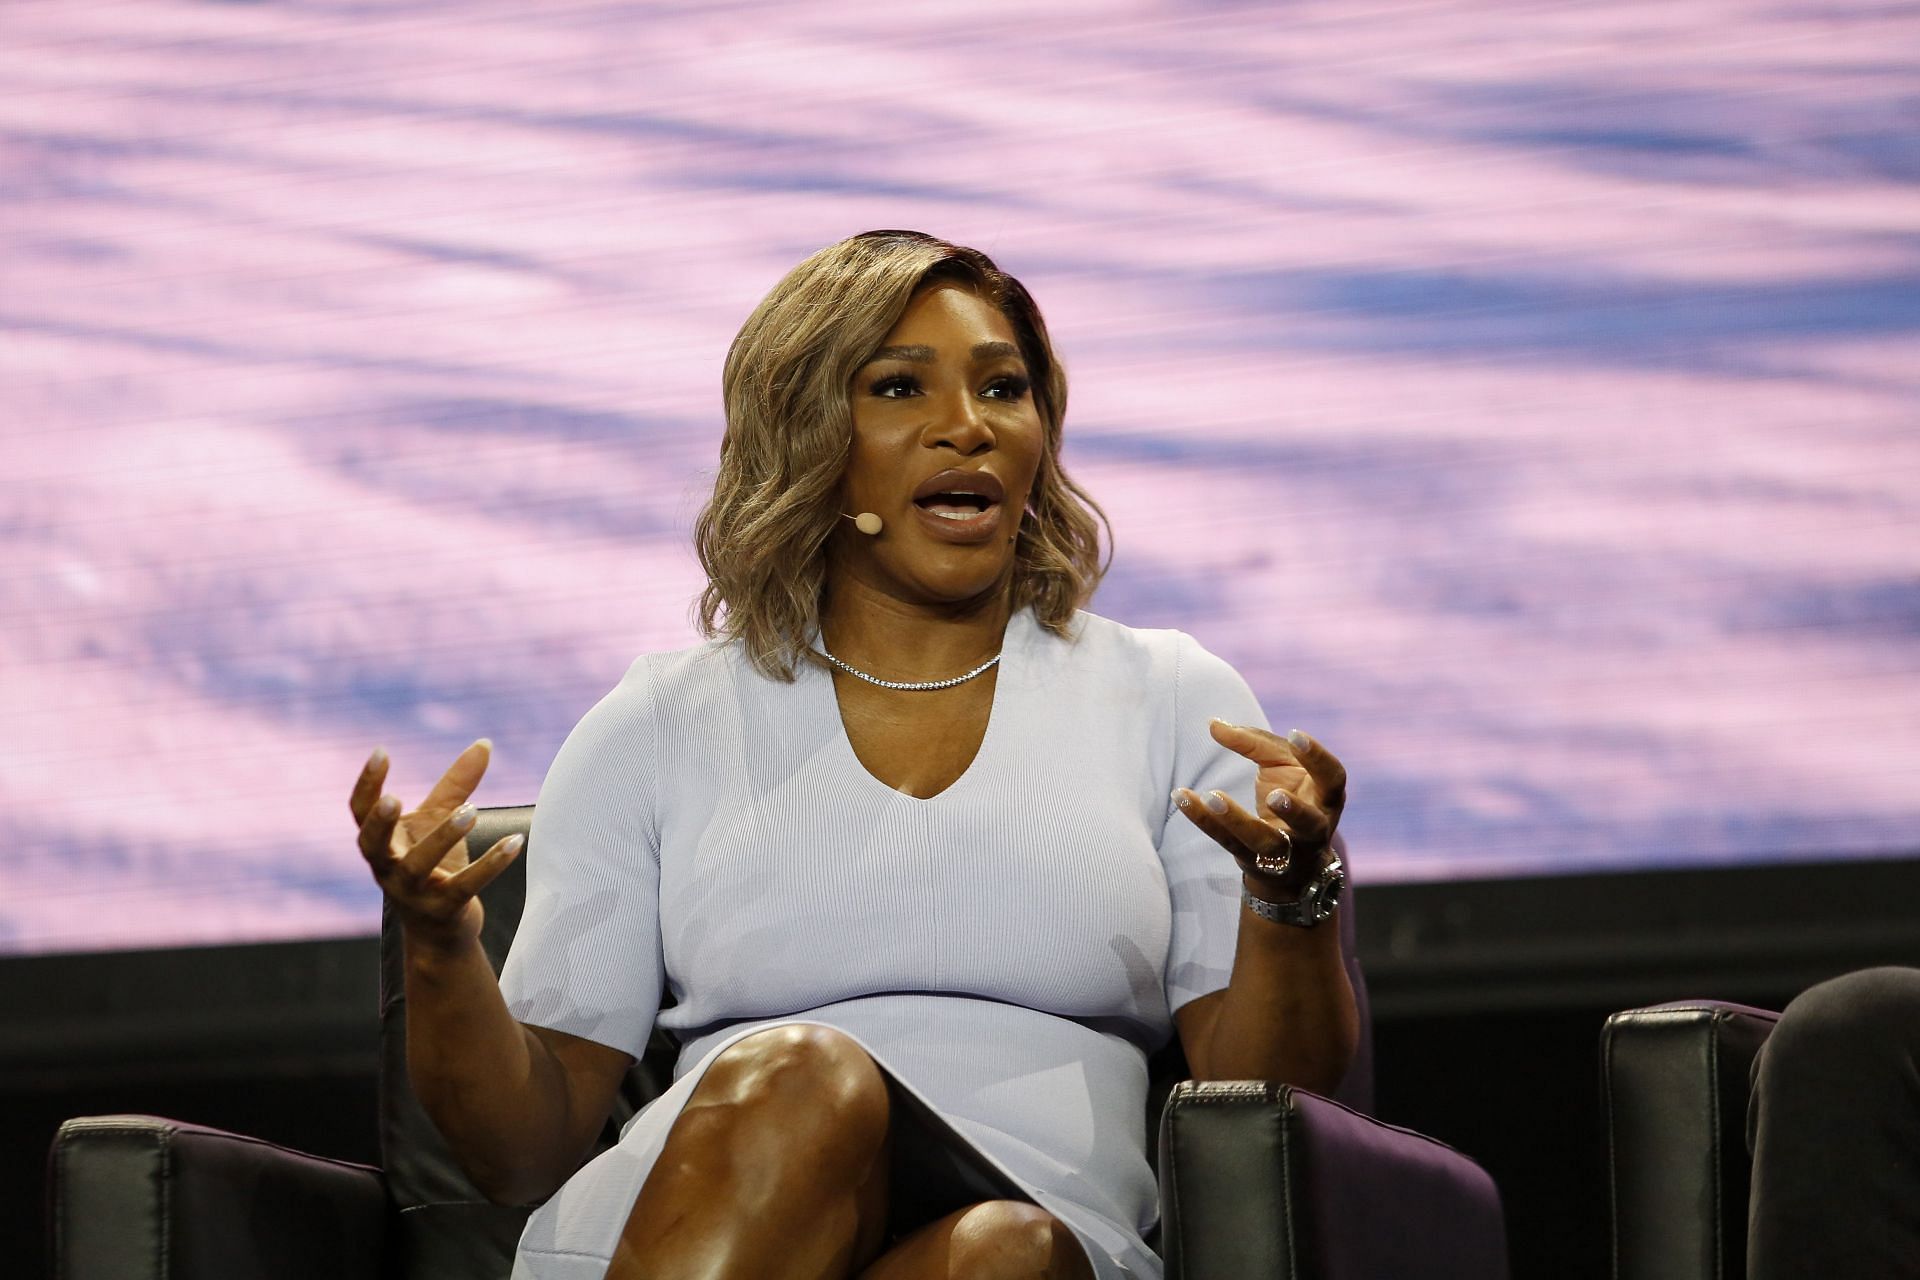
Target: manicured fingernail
<point x="1180" y="798"/>
<point x="512" y="843"/>
<point x="1279" y="801"/>
<point x="484" y="742"/>
<point x="1216" y="802"/>
<point x="463" y="817"/>
<point x="1298" y="738"/>
<point x="378" y="758"/>
<point x="388" y="806"/>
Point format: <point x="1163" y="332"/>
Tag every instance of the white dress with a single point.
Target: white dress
<point x="1009" y="951"/>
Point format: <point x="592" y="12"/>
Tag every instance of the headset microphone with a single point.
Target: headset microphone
<point x="866" y="522"/>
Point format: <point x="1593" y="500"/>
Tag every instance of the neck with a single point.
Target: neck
<point x="903" y="640"/>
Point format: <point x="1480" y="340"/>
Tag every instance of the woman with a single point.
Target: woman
<point x="897" y="841"/>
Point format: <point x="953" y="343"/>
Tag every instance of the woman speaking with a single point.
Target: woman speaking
<point x="921" y="859"/>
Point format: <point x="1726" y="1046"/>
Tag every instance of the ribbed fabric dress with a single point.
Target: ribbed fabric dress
<point x="1009" y="951"/>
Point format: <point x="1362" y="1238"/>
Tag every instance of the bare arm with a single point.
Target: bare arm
<point x="518" y="1105"/>
<point x="1288" y="1013"/>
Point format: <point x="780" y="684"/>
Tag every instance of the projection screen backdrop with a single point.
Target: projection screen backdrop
<point x="1523" y="397"/>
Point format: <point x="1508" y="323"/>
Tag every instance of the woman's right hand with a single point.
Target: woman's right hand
<point x="420" y="859"/>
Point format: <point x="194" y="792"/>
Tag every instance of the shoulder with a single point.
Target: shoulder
<point x="1156" y="653"/>
<point x="662" y="683"/>
<point x="687" y="672"/>
<point x="1166" y="673"/>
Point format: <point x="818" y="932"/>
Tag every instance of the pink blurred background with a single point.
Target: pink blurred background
<point x="1523" y="397"/>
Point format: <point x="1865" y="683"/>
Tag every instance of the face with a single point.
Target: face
<point x="947" y="441"/>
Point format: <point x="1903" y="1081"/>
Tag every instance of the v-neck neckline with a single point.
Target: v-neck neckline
<point x="1011" y="652"/>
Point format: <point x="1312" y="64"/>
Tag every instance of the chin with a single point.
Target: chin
<point x="960" y="588"/>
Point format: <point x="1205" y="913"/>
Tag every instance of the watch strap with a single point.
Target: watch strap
<point x="1317" y="901"/>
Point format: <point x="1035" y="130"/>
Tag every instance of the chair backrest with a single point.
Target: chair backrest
<point x="1676" y="1080"/>
<point x="448" y="1231"/>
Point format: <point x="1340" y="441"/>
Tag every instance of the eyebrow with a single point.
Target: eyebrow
<point x="982" y="351"/>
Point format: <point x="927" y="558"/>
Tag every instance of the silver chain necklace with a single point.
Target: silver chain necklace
<point x="920" y="685"/>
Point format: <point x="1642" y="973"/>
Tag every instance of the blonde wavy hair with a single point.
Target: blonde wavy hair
<point x="776" y="500"/>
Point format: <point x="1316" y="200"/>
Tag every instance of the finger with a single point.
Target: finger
<point x="376" y="833"/>
<point x="1231" y="827"/>
<point x="1297" y="750"/>
<point x="1288" y="780"/>
<point x="1269" y="840"/>
<point x="1263" y="747"/>
<point x="1280" y="766"/>
<point x="1307" y="821"/>
<point x="367" y="787"/>
<point x="1328" y="773"/>
<point x="482" y="871"/>
<point x="431" y="849"/>
<point x="457" y="784"/>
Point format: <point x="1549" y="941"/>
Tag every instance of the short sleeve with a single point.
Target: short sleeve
<point x="1202" y="878"/>
<point x="586" y="959"/>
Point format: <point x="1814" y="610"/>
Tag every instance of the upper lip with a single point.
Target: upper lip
<point x="954" y="480"/>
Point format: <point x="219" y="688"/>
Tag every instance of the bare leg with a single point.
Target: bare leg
<point x="777" y="1169"/>
<point x="993" y="1240"/>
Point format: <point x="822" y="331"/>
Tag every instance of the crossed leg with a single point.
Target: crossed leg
<point x="778" y="1167"/>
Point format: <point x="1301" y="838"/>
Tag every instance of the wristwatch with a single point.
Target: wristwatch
<point x="1315" y="903"/>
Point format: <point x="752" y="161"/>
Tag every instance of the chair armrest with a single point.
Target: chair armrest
<point x="1262" y="1180"/>
<point x="1676" y="1079"/>
<point x="130" y="1197"/>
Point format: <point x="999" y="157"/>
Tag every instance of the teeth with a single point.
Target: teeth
<point x="960" y="506"/>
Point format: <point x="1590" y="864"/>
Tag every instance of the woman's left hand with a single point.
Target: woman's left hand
<point x="1298" y="798"/>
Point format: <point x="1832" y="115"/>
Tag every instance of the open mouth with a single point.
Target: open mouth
<point x="961" y="504"/>
<point x="955" y="505"/>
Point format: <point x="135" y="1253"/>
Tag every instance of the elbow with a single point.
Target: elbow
<point x="1339" y="1061"/>
<point x="1327" y="1057"/>
<point x="507" y="1198"/>
<point x="503" y="1180"/>
<point x="1310" y="1046"/>
<point x="497" y="1186"/>
<point x="1321" y="1074"/>
<point x="1340" y="1049"/>
<point x="501" y="1193"/>
<point x="1319" y="1067"/>
<point x="510" y="1187"/>
<point x="499" y="1180"/>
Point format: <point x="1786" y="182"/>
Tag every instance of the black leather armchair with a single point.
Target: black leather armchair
<point x="1676" y="1079"/>
<point x="1257" y="1180"/>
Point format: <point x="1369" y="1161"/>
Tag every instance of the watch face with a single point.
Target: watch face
<point x="1316" y="902"/>
<point x="1324" y="895"/>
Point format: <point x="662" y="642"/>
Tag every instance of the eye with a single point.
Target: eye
<point x="896" y="386"/>
<point x="1011" y="387"/>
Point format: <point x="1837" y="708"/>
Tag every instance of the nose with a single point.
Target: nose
<point x="960" y="423"/>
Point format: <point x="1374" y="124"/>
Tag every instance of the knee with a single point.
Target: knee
<point x="1869" y="1016"/>
<point x="814" y="1077"/>
<point x="1012" y="1240"/>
